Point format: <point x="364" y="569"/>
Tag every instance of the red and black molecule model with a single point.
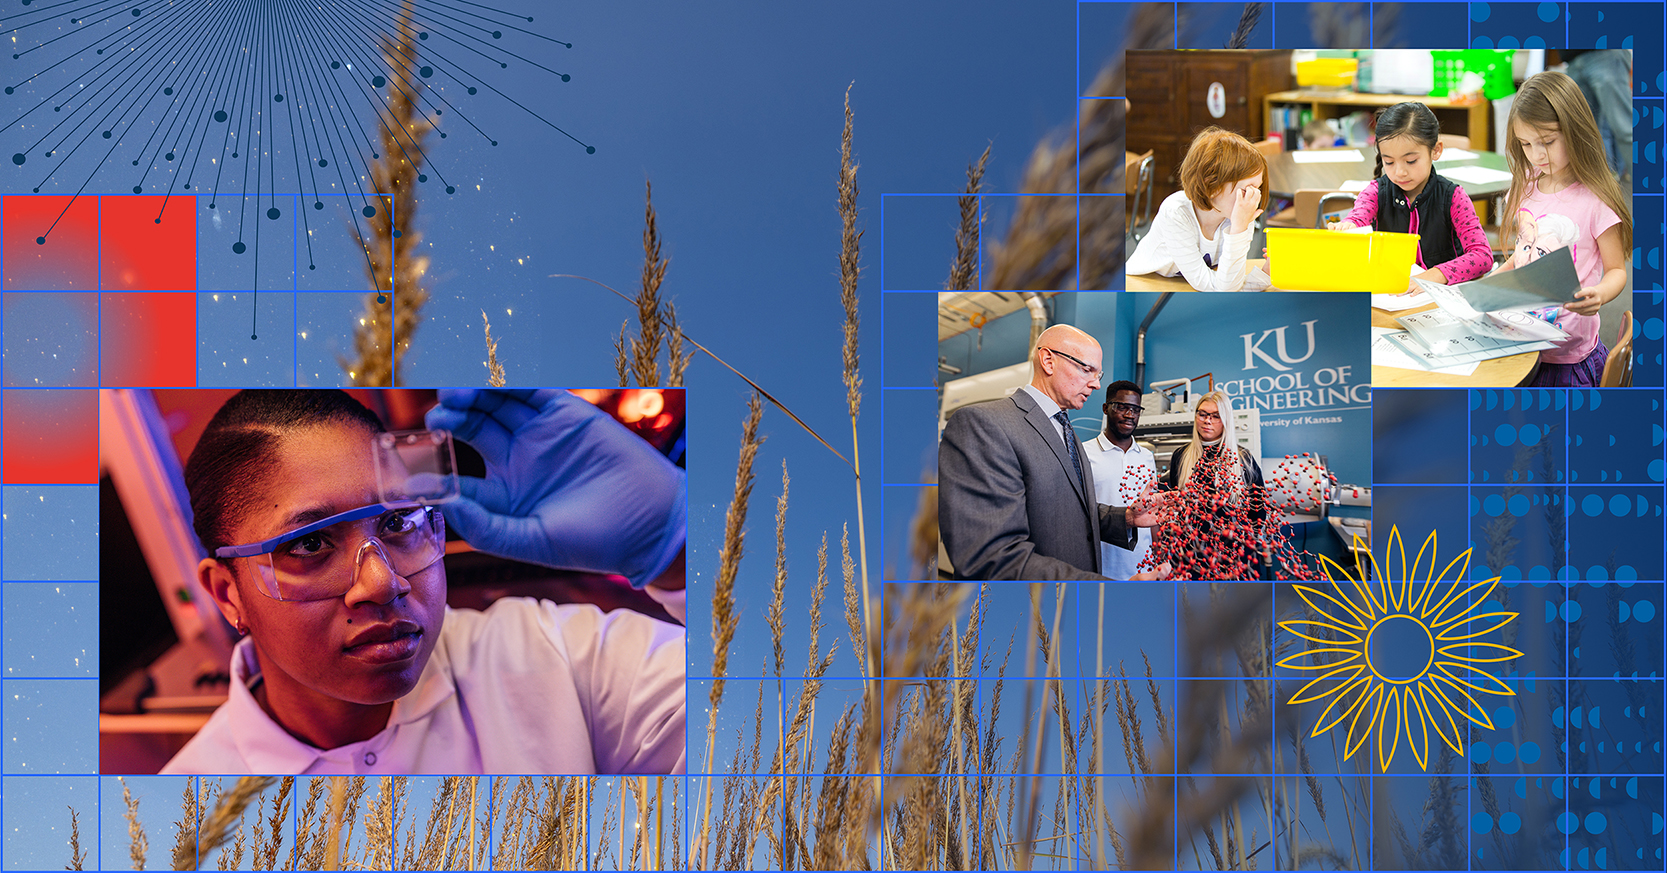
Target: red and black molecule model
<point x="1218" y="527"/>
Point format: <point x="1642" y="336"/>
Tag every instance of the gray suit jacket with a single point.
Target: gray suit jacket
<point x="1009" y="505"/>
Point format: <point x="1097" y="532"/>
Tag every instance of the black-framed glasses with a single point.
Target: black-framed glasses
<point x="1208" y="416"/>
<point x="1125" y="408"/>
<point x="1088" y="369"/>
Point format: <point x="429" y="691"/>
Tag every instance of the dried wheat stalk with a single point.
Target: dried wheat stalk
<point x="394" y="264"/>
<point x="76" y="856"/>
<point x="494" y="371"/>
<point x="645" y="350"/>
<point x="724" y="617"/>
<point x="218" y="826"/>
<point x="138" y="843"/>
<point x="963" y="271"/>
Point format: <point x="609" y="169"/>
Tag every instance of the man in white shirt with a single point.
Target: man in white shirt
<point x="1121" y="468"/>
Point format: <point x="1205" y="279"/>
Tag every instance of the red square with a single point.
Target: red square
<point x="51" y="243"/>
<point x="149" y="340"/>
<point x="51" y="436"/>
<point x="150" y="243"/>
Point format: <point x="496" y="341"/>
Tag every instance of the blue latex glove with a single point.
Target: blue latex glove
<point x="566" y="485"/>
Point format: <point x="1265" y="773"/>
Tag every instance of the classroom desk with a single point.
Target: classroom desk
<point x="1493" y="373"/>
<point x="1154" y="282"/>
<point x="1285" y="175"/>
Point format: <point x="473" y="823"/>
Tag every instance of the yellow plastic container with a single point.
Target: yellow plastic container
<point x="1326" y="260"/>
<point x="1327" y="73"/>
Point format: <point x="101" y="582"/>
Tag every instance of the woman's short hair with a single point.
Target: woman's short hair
<point x="1218" y="158"/>
<point x="240" y="440"/>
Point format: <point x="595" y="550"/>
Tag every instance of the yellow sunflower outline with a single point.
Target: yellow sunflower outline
<point x="1396" y="708"/>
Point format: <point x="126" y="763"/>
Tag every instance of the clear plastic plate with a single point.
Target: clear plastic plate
<point x="415" y="465"/>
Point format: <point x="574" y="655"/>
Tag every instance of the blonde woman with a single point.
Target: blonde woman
<point x="1202" y="470"/>
<point x="1212" y="423"/>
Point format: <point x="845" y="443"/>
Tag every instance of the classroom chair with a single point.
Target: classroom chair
<point x="1332" y="207"/>
<point x="1617" y="371"/>
<point x="1137" y="183"/>
<point x="1454" y="140"/>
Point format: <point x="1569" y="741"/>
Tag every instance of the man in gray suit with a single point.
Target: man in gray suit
<point x="1015" y="501"/>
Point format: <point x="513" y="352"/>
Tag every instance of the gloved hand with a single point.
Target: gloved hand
<point x="566" y="486"/>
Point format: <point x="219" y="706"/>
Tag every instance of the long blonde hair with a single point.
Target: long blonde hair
<point x="1233" y="465"/>
<point x="1553" y="100"/>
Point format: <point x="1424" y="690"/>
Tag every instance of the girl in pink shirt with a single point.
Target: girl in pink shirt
<point x="1563" y="195"/>
<point x="1408" y="196"/>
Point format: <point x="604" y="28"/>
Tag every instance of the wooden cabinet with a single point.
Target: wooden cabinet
<point x="1169" y="101"/>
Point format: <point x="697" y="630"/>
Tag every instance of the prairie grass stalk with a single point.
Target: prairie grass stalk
<point x="138" y="845"/>
<point x="677" y="357"/>
<point x="266" y="850"/>
<point x="850" y="241"/>
<point x="494" y="371"/>
<point x="724" y="617"/>
<point x="227" y="814"/>
<point x="963" y="271"/>
<point x="622" y="360"/>
<point x="76" y="856"/>
<point x="185" y="830"/>
<point x="645" y="349"/>
<point x="380" y="828"/>
<point x="337" y="811"/>
<point x="393" y="259"/>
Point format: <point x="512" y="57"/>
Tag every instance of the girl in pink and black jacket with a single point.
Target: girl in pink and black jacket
<point x="1408" y="196"/>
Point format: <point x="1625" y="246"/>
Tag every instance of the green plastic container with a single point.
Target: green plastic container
<point x="1493" y="65"/>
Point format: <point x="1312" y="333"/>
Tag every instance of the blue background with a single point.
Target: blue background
<point x="733" y="113"/>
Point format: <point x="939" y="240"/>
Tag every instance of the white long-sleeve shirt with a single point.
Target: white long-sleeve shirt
<point x="527" y="686"/>
<point x="1175" y="246"/>
<point x="1119" y="478"/>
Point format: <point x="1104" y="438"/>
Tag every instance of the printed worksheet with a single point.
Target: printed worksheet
<point x="1443" y="333"/>
<point x="1388" y="353"/>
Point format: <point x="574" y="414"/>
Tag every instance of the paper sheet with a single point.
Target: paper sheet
<point x="1548" y="281"/>
<point x="1354" y="186"/>
<point x="1398" y="303"/>
<point x="1455" y="155"/>
<point x="1433" y="361"/>
<point x="1328" y="156"/>
<point x="1385" y="353"/>
<point x="1445" y="335"/>
<point x="1476" y="175"/>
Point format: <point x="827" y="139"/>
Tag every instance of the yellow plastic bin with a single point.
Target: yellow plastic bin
<point x="1325" y="260"/>
<point x="1327" y="73"/>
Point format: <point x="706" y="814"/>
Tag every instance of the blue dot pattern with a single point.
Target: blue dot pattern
<point x="1617" y="632"/>
<point x="1527" y="807"/>
<point x="1605" y="525"/>
<point x="1635" y="26"/>
<point x="1516" y="25"/>
<point x="1646" y="145"/>
<point x="1516" y="437"/>
<point x="1614" y="726"/>
<point x="1617" y="441"/>
<point x="1566" y="484"/>
<point x="1647" y="233"/>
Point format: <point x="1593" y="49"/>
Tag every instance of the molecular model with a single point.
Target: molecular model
<point x="1218" y="527"/>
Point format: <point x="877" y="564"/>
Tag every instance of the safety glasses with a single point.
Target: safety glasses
<point x="321" y="560"/>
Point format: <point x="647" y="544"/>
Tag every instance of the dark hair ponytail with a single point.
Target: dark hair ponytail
<point x="241" y="438"/>
<point x="1412" y="119"/>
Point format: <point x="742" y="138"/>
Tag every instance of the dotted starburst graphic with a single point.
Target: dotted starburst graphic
<point x="1400" y="657"/>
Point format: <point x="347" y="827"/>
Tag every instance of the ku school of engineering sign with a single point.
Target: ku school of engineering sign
<point x="1281" y="373"/>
